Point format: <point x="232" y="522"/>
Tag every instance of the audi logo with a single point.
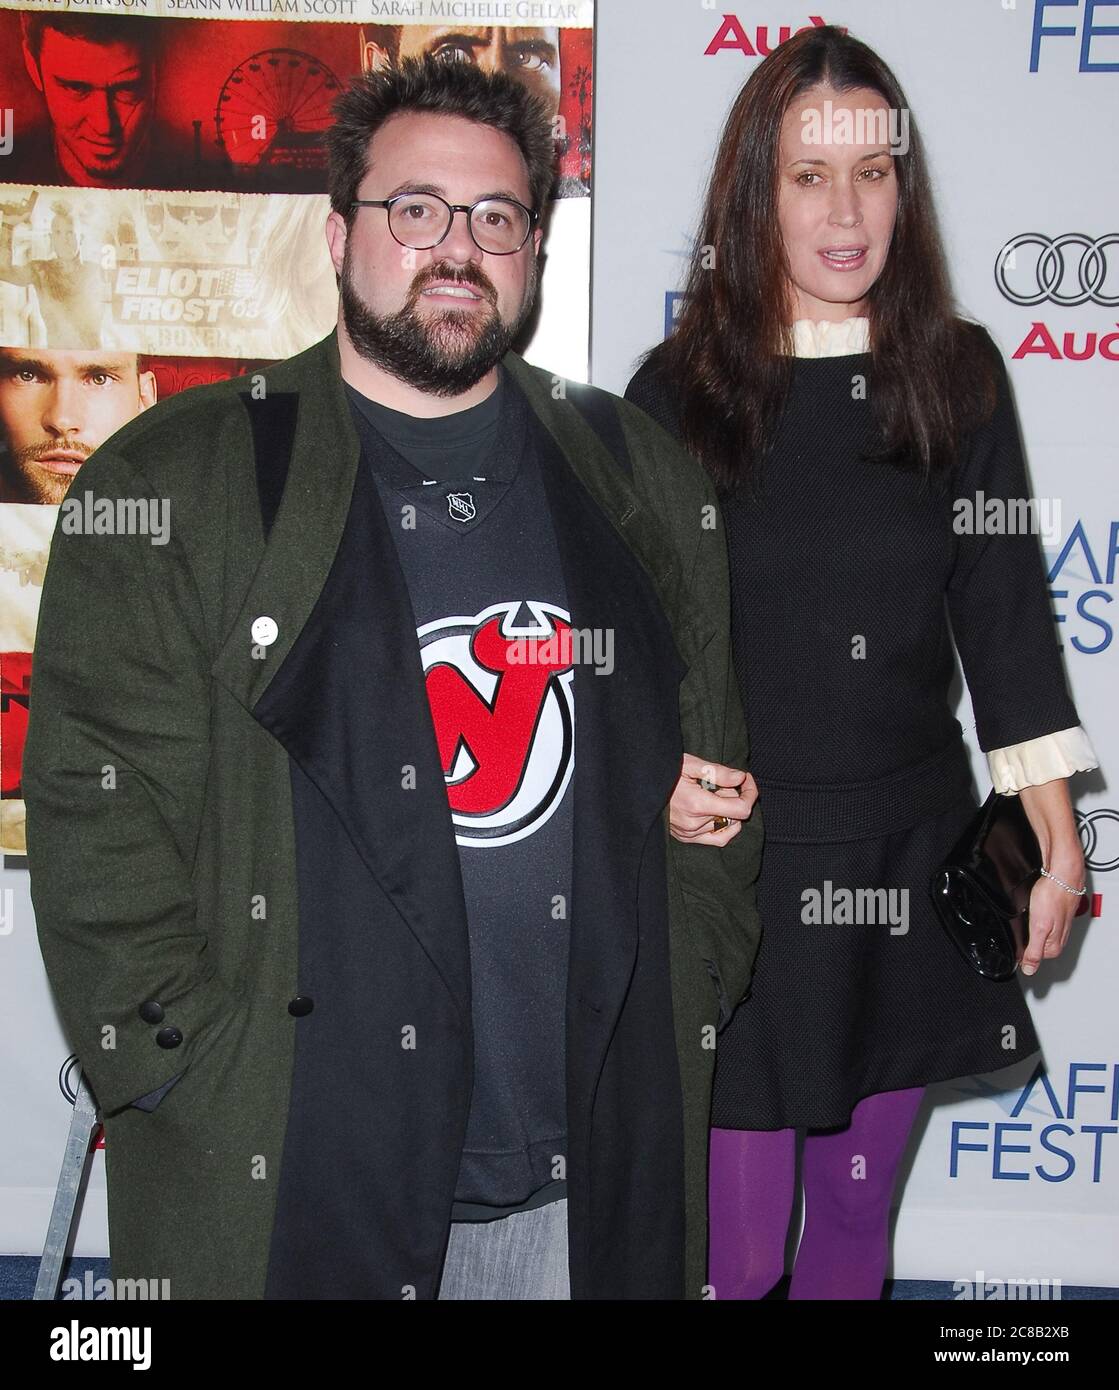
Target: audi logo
<point x="1067" y="270"/>
<point x="1099" y="835"/>
<point x="69" y="1075"/>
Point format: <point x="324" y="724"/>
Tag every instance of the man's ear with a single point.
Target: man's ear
<point x="336" y="239"/>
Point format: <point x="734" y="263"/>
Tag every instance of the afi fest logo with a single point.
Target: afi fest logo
<point x="499" y="685"/>
<point x="1075" y="20"/>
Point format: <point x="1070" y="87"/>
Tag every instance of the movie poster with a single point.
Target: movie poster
<point x="162" y="212"/>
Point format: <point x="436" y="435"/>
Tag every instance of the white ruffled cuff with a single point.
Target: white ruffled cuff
<point x="1041" y="760"/>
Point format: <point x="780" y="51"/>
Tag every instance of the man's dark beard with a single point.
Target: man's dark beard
<point x="400" y="343"/>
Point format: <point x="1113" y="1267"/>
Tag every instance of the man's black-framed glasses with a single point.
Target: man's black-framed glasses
<point x="420" y="221"/>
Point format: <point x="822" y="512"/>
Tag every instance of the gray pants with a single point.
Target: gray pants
<point x="523" y="1256"/>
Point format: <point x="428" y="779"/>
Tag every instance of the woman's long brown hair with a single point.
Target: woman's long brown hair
<point x="933" y="376"/>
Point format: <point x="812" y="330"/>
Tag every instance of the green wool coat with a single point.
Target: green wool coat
<point x="158" y="808"/>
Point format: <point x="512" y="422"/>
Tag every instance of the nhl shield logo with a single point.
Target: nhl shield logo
<point x="461" y="506"/>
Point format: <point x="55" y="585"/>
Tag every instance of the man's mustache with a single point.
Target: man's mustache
<point x="35" y="453"/>
<point x="471" y="277"/>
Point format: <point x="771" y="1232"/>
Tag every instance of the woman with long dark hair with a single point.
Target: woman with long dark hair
<point x="849" y="415"/>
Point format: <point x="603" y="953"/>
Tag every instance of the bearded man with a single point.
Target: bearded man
<point x="349" y="818"/>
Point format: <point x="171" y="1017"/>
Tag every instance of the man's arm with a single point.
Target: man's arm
<point x="114" y="774"/>
<point x="718" y="881"/>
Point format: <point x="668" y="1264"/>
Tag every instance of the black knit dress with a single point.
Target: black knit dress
<point x="844" y="576"/>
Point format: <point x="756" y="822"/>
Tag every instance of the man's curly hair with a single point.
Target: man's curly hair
<point x="447" y="89"/>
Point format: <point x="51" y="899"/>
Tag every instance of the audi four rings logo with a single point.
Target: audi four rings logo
<point x="1099" y="835"/>
<point x="1067" y="270"/>
<point x="68" y="1077"/>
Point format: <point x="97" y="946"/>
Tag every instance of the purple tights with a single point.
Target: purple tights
<point x="849" y="1177"/>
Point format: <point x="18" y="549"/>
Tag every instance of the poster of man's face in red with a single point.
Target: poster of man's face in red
<point x="112" y="101"/>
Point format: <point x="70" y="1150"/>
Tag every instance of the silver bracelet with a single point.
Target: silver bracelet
<point x="1076" y="892"/>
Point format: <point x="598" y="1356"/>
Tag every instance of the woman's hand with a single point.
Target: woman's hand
<point x="1051" y="912"/>
<point x="1049" y="810"/>
<point x="692" y="809"/>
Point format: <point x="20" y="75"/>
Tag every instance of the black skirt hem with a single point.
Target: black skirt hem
<point x="903" y="1079"/>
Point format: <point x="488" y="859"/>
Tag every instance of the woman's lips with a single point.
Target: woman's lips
<point x="844" y="258"/>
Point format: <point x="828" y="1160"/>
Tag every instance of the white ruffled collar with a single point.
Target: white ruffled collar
<point x="822" y="338"/>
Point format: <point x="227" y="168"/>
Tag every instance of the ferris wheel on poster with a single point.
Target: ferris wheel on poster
<point x="273" y="109"/>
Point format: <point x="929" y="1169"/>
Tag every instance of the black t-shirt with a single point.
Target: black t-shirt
<point x="460" y="442"/>
<point x="466" y="505"/>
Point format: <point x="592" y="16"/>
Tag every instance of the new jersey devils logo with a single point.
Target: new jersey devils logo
<point x="504" y="715"/>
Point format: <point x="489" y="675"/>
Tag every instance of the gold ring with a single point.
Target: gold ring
<point x="720" y="823"/>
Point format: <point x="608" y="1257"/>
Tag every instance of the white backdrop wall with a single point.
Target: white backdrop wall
<point x="1014" y="1174"/>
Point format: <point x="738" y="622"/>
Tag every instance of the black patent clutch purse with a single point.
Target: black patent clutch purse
<point x="982" y="890"/>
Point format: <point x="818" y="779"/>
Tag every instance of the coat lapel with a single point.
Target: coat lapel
<point x="341" y="687"/>
<point x="627" y="752"/>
